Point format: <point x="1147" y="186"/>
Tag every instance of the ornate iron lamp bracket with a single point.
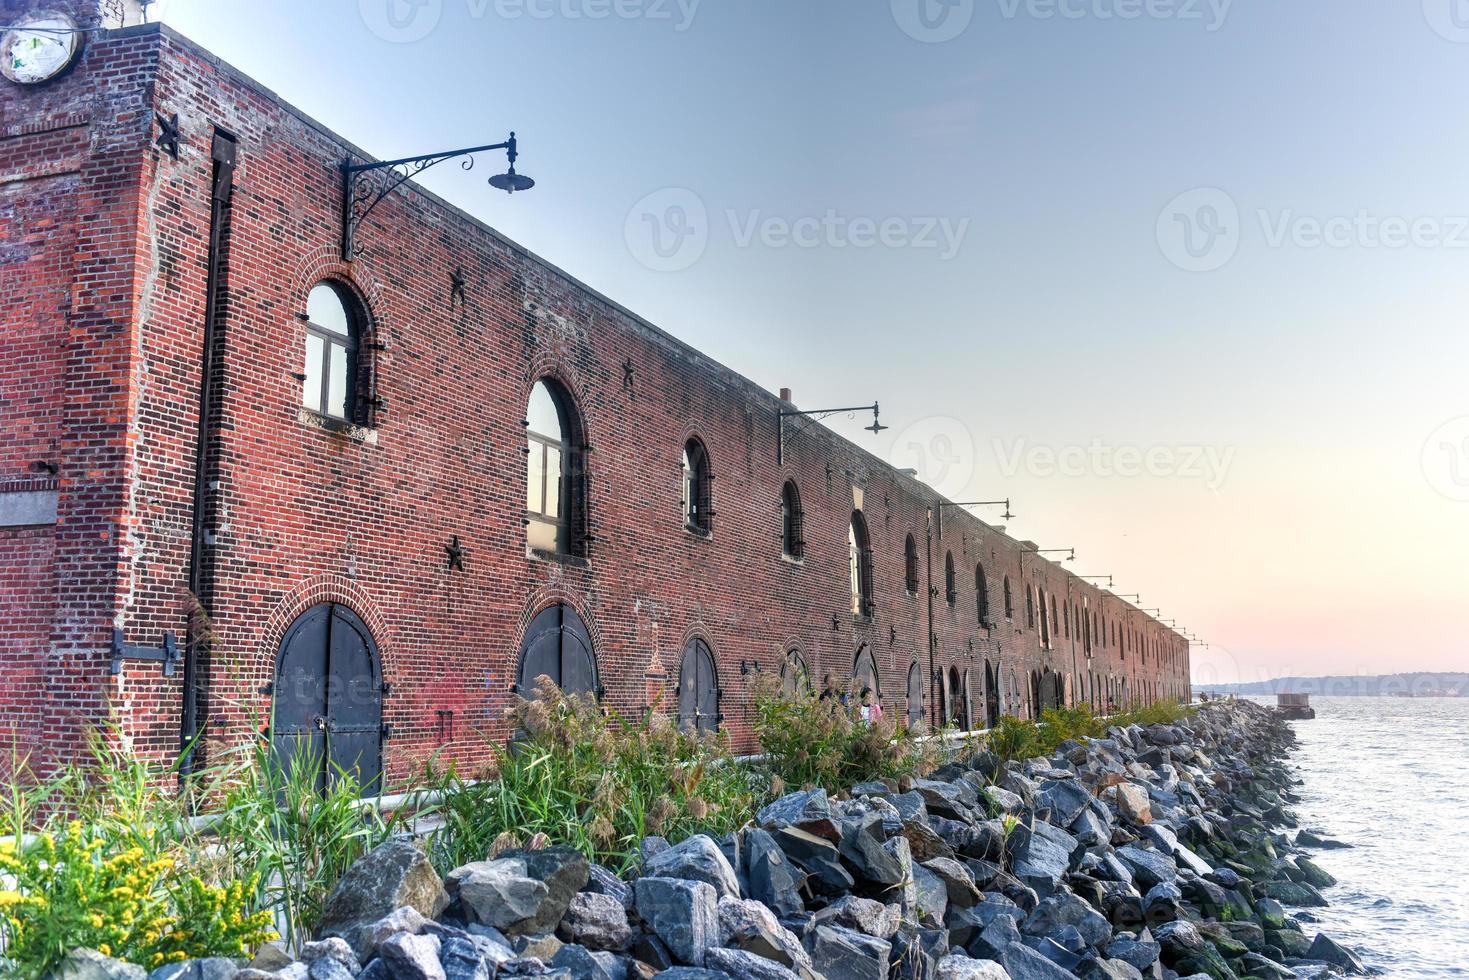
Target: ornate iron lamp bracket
<point x="364" y="185"/>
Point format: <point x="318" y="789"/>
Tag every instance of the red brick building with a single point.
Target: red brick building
<point x="427" y="471"/>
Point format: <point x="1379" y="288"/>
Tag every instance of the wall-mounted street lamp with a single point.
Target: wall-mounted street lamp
<point x="1129" y="596"/>
<point x="820" y="413"/>
<point x="364" y="185"/>
<point x="1107" y="577"/>
<point x="1070" y="553"/>
<point x="980" y="503"/>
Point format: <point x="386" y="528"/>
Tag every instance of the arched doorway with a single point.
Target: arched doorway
<point x="991" y="696"/>
<point x="557" y="645"/>
<point x="795" y="677"/>
<point x="955" y="710"/>
<point x="698" y="689"/>
<point x="915" y="695"/>
<point x="327" y="700"/>
<point x="864" y="673"/>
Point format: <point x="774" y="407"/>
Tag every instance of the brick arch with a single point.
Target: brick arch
<point x="325" y="262"/>
<point x="501" y="672"/>
<point x="327" y="588"/>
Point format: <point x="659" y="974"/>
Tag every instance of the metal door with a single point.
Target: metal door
<point x="864" y="674"/>
<point x="915" y="696"/>
<point x="991" y="696"/>
<point x="698" y="690"/>
<point x="328" y="708"/>
<point x="557" y="645"/>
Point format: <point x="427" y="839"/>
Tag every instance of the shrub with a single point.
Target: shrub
<point x="812" y="742"/>
<point x="590" y="778"/>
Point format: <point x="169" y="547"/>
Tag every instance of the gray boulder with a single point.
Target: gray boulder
<point x="219" y="968"/>
<point x="412" y="957"/>
<point x="583" y="964"/>
<point x="604" y="881"/>
<point x="1066" y="799"/>
<point x="1065" y="909"/>
<point x="697" y="858"/>
<point x="1328" y="950"/>
<point x="959" y="885"/>
<point x="1148" y="867"/>
<point x="750" y="926"/>
<point x="804" y="806"/>
<point x="499" y="893"/>
<point x="861" y="848"/>
<point x="931" y="896"/>
<point x="683" y="914"/>
<point x="1140" y="951"/>
<point x="391" y="876"/>
<point x="463" y="959"/>
<point x="596" y="921"/>
<point x="956" y="966"/>
<point x="1043" y="856"/>
<point x="866" y="915"/>
<point x="741" y="965"/>
<point x="563" y="870"/>
<point x="1024" y="963"/>
<point x="818" y="858"/>
<point x="840" y="952"/>
<point x="773" y="879"/>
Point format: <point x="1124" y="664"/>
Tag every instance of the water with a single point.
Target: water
<point x="1391" y="777"/>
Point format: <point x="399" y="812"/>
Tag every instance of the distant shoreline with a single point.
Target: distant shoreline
<point x="1406" y="685"/>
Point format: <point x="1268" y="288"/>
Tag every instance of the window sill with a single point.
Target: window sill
<point x="557" y="558"/>
<point x="860" y="619"/>
<point x="699" y="532"/>
<point x="313" y="419"/>
<point x="792" y="561"/>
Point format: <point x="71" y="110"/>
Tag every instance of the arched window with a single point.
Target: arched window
<point x="795" y="677"/>
<point x="698" y="514"/>
<point x="1030" y="606"/>
<point x="698" y="690"/>
<point x="910" y="565"/>
<point x="1009" y="600"/>
<point x="951" y="588"/>
<point x="1055" y="621"/>
<point x="554" y="484"/>
<point x="792" y="543"/>
<point x="1045" y="622"/>
<point x="859" y="564"/>
<point x="558" y="646"/>
<point x="329" y="377"/>
<point x="981" y="596"/>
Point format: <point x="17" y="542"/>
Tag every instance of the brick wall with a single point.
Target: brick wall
<point x="303" y="513"/>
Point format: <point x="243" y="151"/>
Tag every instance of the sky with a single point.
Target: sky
<point x="1185" y="280"/>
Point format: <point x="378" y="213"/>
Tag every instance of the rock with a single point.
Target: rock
<point x="741" y="965"/>
<point x="818" y="858"/>
<point x="89" y="964"/>
<point x="1312" y="838"/>
<point x="412" y="957"/>
<point x="773" y="879"/>
<point x="865" y="915"/>
<point x="924" y="841"/>
<point x="391" y="876"/>
<point x="1328" y="950"/>
<point x="1065" y="909"/>
<point x="1066" y="799"/>
<point x="563" y="870"/>
<point x="697" y="858"/>
<point x="958" y="882"/>
<point x="542" y="947"/>
<point x="1148" y="867"/>
<point x="692" y="973"/>
<point x="794" y="809"/>
<point x="462" y="959"/>
<point x="995" y="938"/>
<point x="959" y="967"/>
<point x="861" y="847"/>
<point x="1291" y="893"/>
<point x="583" y="964"/>
<point x="684" y="914"/>
<point x="840" y="952"/>
<point x="1043" y="856"/>
<point x="603" y="881"/>
<point x="750" y="926"/>
<point x="1313" y="874"/>
<point x="499" y="893"/>
<point x="1133" y="804"/>
<point x="334" y="948"/>
<point x="596" y="921"/>
<point x="1263" y="967"/>
<point x="271" y="956"/>
<point x="1178" y="938"/>
<point x="1163" y="903"/>
<point x="1271" y="913"/>
<point x="931" y="896"/>
<point x="1141" y="951"/>
<point x="372" y="936"/>
<point x="1024" y="963"/>
<point x="221" y="968"/>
